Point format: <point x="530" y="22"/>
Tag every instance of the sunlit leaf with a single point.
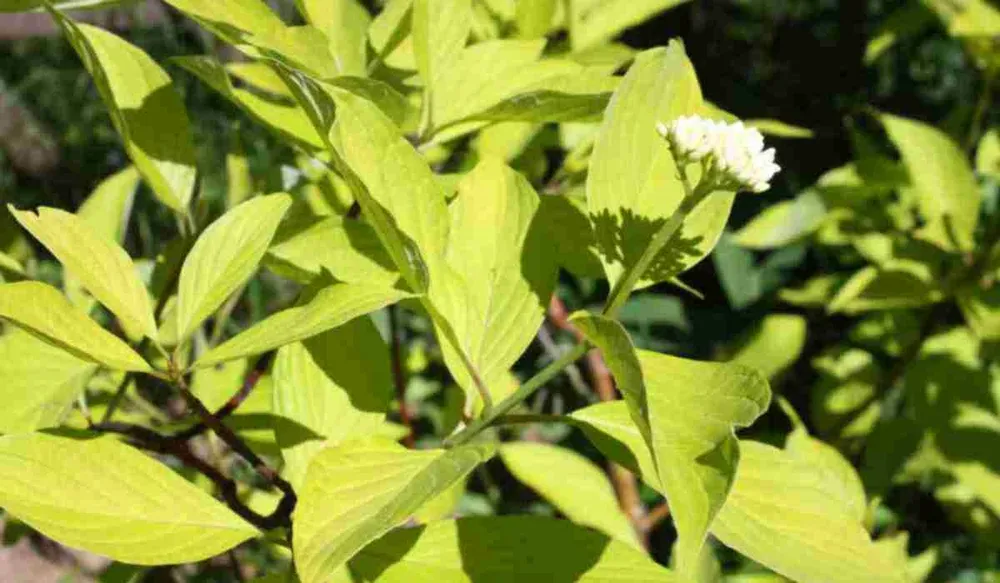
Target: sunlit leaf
<point x="145" y="108"/>
<point x="224" y="257"/>
<point x="633" y="186"/>
<point x="330" y="388"/>
<point x="783" y="223"/>
<point x="330" y="307"/>
<point x="41" y="309"/>
<point x="41" y="381"/>
<point x="774" y="344"/>
<point x="591" y="500"/>
<point x="97" y="262"/>
<point x="349" y="250"/>
<point x="103" y="496"/>
<point x="506" y="548"/>
<point x="357" y="491"/>
<point x="345" y="23"/>
<point x="595" y="21"/>
<point x="107" y="208"/>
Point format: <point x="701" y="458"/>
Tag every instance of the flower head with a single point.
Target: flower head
<point x="733" y="154"/>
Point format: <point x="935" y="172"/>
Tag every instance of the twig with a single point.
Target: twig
<point x="655" y="516"/>
<point x="150" y="440"/>
<point x="625" y="483"/>
<point x="399" y="375"/>
<point x="234" y="402"/>
<point x="576" y="379"/>
<point x="234" y="442"/>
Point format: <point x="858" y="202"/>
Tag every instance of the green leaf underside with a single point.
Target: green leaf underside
<point x="224" y="257"/>
<point x="41" y="309"/>
<point x="332" y="306"/>
<point x="590" y="501"/>
<point x="328" y="389"/>
<point x="687" y="412"/>
<point x="500" y="549"/>
<point x="101" y="266"/>
<point x="146" y="110"/>
<point x="357" y="491"/>
<point x="633" y="184"/>
<point x="40" y="382"/>
<point x="108" y="498"/>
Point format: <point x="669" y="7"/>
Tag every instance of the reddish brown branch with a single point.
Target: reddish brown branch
<point x="399" y="375"/>
<point x="625" y="483"/>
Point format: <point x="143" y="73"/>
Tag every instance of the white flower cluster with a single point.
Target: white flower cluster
<point x="733" y="153"/>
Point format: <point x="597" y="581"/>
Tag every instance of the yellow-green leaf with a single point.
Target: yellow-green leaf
<point x="357" y="491"/>
<point x="41" y="309"/>
<point x="784" y="223"/>
<point x="534" y="17"/>
<point x="330" y="307"/>
<point x="224" y="257"/>
<point x="289" y="121"/>
<point x="500" y="281"/>
<point x="633" y="186"/>
<point x="100" y="264"/>
<point x="779" y="129"/>
<point x="106" y="210"/>
<point x="504" y="548"/>
<point x="790" y="516"/>
<point x="146" y="109"/>
<point x="941" y="179"/>
<point x="103" y="496"/>
<point x="328" y="389"/>
<point x="345" y="24"/>
<point x="774" y="345"/>
<point x="440" y="29"/>
<point x="573" y="484"/>
<point x="593" y="22"/>
<point x="349" y="249"/>
<point x="988" y="154"/>
<point x="40" y="382"/>
<point x="687" y="412"/>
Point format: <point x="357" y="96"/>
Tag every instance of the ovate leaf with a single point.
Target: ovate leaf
<point x="774" y="344"/>
<point x="345" y="23"/>
<point x="784" y="223"/>
<point x="350" y="250"/>
<point x="594" y="21"/>
<point x="633" y="187"/>
<point x="40" y="382"/>
<point x="146" y="109"/>
<point x="357" y="491"/>
<point x="101" y="266"/>
<point x="328" y="389"/>
<point x="496" y="294"/>
<point x="224" y="257"/>
<point x="941" y="179"/>
<point x="590" y="501"/>
<point x="440" y="30"/>
<point x="504" y="548"/>
<point x="790" y="516"/>
<point x="42" y="310"/>
<point x="329" y="308"/>
<point x="106" y="210"/>
<point x="686" y="411"/>
<point x="105" y="497"/>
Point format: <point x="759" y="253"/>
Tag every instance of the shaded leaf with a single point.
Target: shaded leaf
<point x="594" y="21"/>
<point x="774" y="345"/>
<point x="783" y="223"/>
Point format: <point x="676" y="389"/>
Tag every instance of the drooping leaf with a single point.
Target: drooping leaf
<point x="589" y="501"/>
<point x="774" y="345"/>
<point x="504" y="548"/>
<point x="41" y="309"/>
<point x="101" y="495"/>
<point x="941" y="180"/>
<point x="345" y="23"/>
<point x="101" y="266"/>
<point x="330" y="307"/>
<point x="686" y="411"/>
<point x="40" y="382"/>
<point x="357" y="491"/>
<point x="633" y="187"/>
<point x="783" y="223"/>
<point x="287" y="120"/>
<point x="145" y="108"/>
<point x="808" y="532"/>
<point x="224" y="257"/>
<point x="594" y="21"/>
<point x="501" y="279"/>
<point x="328" y="389"/>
